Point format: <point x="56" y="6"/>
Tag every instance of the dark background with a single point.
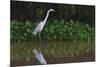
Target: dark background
<point x="36" y="11"/>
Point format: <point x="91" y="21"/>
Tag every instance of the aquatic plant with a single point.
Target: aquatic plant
<point x="54" y="30"/>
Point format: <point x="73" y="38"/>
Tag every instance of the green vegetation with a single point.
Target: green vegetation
<point x="54" y="30"/>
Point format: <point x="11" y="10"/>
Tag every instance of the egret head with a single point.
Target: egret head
<point x="51" y="10"/>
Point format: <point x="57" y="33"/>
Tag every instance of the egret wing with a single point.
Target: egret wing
<point x="36" y="30"/>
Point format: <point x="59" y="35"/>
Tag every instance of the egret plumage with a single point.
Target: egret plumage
<point x="40" y="26"/>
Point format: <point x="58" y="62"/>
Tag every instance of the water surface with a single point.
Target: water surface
<point x="22" y="51"/>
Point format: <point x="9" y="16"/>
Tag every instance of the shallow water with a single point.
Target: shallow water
<point x="52" y="49"/>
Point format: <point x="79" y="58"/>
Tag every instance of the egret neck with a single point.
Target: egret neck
<point x="46" y="17"/>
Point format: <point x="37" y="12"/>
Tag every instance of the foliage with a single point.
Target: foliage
<point x="53" y="30"/>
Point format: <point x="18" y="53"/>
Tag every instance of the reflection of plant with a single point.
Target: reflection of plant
<point x="54" y="30"/>
<point x="23" y="50"/>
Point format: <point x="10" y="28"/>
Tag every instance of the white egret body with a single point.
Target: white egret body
<point x="40" y="26"/>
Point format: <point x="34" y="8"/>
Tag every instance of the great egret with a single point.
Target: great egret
<point x="39" y="28"/>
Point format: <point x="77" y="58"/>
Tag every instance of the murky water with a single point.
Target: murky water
<point x="52" y="49"/>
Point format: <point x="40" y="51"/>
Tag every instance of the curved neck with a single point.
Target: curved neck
<point x="46" y="17"/>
